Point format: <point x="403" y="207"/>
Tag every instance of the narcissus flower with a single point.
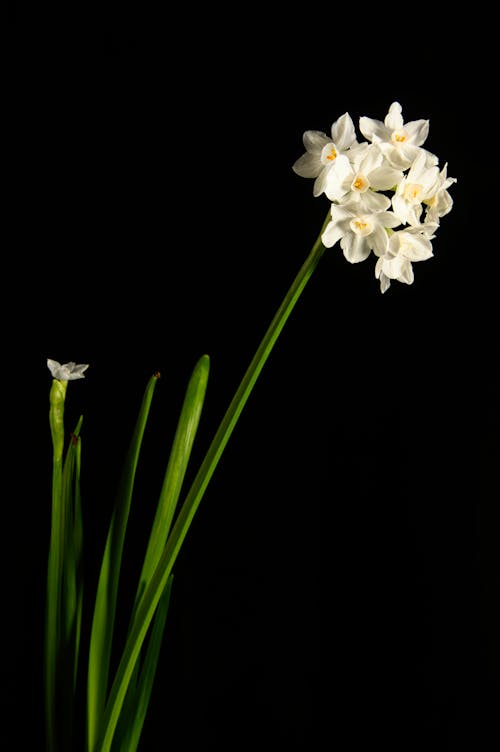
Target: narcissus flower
<point x="400" y="142"/>
<point x="420" y="184"/>
<point x="404" y="246"/>
<point x="359" y="232"/>
<point x="324" y="154"/>
<point x="441" y="202"/>
<point x="67" y="371"/>
<point x="361" y="179"/>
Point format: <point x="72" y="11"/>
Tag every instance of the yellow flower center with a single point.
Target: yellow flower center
<point x="331" y="154"/>
<point x="399" y="137"/>
<point x="361" y="226"/>
<point x="412" y="192"/>
<point x="360" y="183"/>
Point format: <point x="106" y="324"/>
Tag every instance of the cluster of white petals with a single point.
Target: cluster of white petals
<point x="388" y="193"/>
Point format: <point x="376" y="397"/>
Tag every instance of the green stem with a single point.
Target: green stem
<point x="240" y="398"/>
<point x="55" y="563"/>
<point x="159" y="579"/>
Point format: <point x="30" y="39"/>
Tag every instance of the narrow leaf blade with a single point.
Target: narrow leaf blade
<point x="147" y="603"/>
<point x="144" y="687"/>
<point x="107" y="589"/>
<point x="176" y="469"/>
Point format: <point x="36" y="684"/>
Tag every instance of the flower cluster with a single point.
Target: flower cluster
<point x="357" y="178"/>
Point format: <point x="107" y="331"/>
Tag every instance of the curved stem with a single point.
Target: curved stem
<point x="158" y="581"/>
<point x="241" y="396"/>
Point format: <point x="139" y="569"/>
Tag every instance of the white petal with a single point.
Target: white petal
<point x="401" y="208"/>
<point x="343" y="132"/>
<point x="339" y="178"/>
<point x="333" y="232"/>
<point x="355" y="248"/>
<point x="344" y="212"/>
<point x="319" y="183"/>
<point x="385" y="177"/>
<point x="387" y="219"/>
<point x="406" y="275"/>
<point x="357" y="152"/>
<point x="418" y="130"/>
<point x="442" y="205"/>
<point x="396" y="157"/>
<point x="315" y="141"/>
<point x="427" y="228"/>
<point x="385" y="282"/>
<point x="379" y="240"/>
<point x="414" y="214"/>
<point x="54" y="367"/>
<point x="372" y="158"/>
<point x="431" y="158"/>
<point x="415" y="247"/>
<point x="392" y="267"/>
<point x="307" y="166"/>
<point x="373" y="129"/>
<point x="430" y="181"/>
<point x="417" y="157"/>
<point x="373" y="202"/>
<point x="336" y="189"/>
<point x="394" y="120"/>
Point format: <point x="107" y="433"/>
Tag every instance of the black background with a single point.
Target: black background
<point x="340" y="579"/>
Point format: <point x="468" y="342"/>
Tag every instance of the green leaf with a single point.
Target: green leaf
<point x="78" y="543"/>
<point x="107" y="588"/>
<point x="145" y="611"/>
<point x="72" y="575"/>
<point x="172" y="484"/>
<point x="144" y="685"/>
<point x="135" y="640"/>
<point x="180" y="453"/>
<point x="72" y="587"/>
<point x="174" y="476"/>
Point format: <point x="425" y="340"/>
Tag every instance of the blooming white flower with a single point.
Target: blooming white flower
<point x="358" y="181"/>
<point x="359" y="232"/>
<point x="324" y="154"/>
<point x="403" y="247"/>
<point x="441" y="202"/>
<point x="67" y="371"/>
<point x="421" y="183"/>
<point x="399" y="141"/>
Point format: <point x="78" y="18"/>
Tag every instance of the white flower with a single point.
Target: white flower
<point x="441" y="202"/>
<point x="421" y="183"/>
<point x="324" y="154"/>
<point x="359" y="232"/>
<point x="358" y="181"/>
<point x="400" y="142"/>
<point x="67" y="371"/>
<point x="404" y="246"/>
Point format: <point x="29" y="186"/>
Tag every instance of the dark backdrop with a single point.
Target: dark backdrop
<point x="340" y="579"/>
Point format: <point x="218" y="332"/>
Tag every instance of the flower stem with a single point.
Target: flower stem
<point x="55" y="565"/>
<point x="241" y="396"/>
<point x="159" y="579"/>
